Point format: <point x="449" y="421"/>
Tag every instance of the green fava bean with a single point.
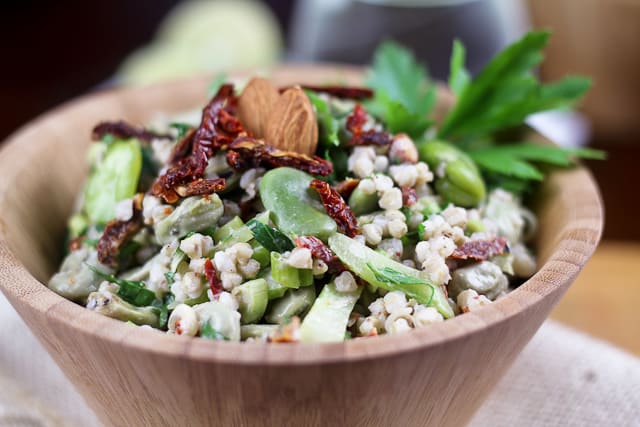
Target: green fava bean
<point x="295" y="208"/>
<point x="462" y="183"/>
<point x="194" y="213"/>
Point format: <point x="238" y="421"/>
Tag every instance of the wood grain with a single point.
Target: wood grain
<point x="131" y="376"/>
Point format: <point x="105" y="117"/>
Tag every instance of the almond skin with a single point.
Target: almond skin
<point x="255" y="104"/>
<point x="292" y="124"/>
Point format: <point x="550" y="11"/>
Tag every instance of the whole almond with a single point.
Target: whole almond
<point x="255" y="104"/>
<point x="292" y="124"/>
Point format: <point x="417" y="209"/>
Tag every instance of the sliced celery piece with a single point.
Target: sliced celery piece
<point x="327" y="320"/>
<point x="388" y="274"/>
<point x="287" y="275"/>
<point x="113" y="180"/>
<point x="253" y="297"/>
<point x="295" y="302"/>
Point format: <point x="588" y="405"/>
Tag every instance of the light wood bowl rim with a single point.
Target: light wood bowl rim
<point x="20" y="285"/>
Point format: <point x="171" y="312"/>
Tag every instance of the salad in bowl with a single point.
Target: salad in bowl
<point x="319" y="213"/>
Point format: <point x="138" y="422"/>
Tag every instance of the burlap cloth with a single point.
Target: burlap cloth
<point x="562" y="378"/>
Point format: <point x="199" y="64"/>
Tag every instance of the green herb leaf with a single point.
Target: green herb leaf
<point x="397" y="117"/>
<point x="404" y="95"/>
<point x="459" y="77"/>
<point x="163" y="308"/>
<point x="394" y="277"/>
<point x="131" y="291"/>
<point x="514" y="160"/>
<point x="328" y="125"/>
<point x="271" y="238"/>
<point x="209" y="332"/>
<point x="506" y="92"/>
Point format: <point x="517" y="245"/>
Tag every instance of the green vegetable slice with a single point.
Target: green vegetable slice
<point x="328" y="317"/>
<point x="388" y="274"/>
<point x="114" y="179"/>
<point x="253" y="297"/>
<point x="287" y="275"/>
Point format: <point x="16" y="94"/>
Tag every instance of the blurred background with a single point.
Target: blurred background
<point x="55" y="50"/>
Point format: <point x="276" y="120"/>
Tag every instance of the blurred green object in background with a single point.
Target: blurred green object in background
<point x="201" y="35"/>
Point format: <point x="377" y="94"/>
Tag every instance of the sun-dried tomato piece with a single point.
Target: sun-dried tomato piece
<point x="217" y="129"/>
<point x="201" y="187"/>
<point x="182" y="147"/>
<point x="336" y="207"/>
<point x="124" y="130"/>
<point x="480" y="250"/>
<point x="409" y="196"/>
<point x="212" y="277"/>
<point x="355" y="123"/>
<point x="322" y="252"/>
<point x="117" y="233"/>
<point x="343" y="92"/>
<point x="246" y="152"/>
<point x="346" y="187"/>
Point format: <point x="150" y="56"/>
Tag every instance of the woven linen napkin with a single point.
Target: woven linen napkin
<point x="562" y="378"/>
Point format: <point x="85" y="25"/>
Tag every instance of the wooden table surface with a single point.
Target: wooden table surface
<point x="605" y="299"/>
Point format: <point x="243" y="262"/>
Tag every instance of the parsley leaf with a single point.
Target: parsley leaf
<point x="271" y="238"/>
<point x="506" y="91"/>
<point x="394" y="277"/>
<point x="404" y="94"/>
<point x="458" y="76"/>
<point x="133" y="292"/>
<point x="515" y="160"/>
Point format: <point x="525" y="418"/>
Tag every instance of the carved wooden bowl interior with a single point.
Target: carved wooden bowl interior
<point x="437" y="375"/>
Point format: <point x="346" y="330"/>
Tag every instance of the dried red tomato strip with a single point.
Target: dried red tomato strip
<point x="246" y="152"/>
<point x="182" y="147"/>
<point x="346" y="187"/>
<point x="118" y="233"/>
<point x="201" y="187"/>
<point x="355" y="123"/>
<point x="336" y="207"/>
<point x="212" y="277"/>
<point x="124" y="130"/>
<point x="321" y="251"/>
<point x="217" y="129"/>
<point x="409" y="196"/>
<point x="343" y="92"/>
<point x="480" y="250"/>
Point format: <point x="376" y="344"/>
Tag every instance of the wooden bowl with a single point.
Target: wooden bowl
<point x="437" y="375"/>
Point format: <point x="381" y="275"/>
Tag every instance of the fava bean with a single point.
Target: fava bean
<point x="462" y="183"/>
<point x="294" y="207"/>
